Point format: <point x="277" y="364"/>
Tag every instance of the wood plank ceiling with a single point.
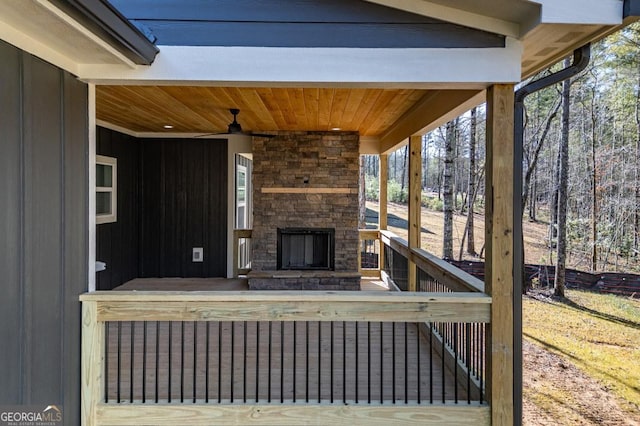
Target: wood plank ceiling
<point x="198" y="109"/>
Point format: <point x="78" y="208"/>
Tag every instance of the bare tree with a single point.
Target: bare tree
<point x="562" y="188"/>
<point x="471" y="249"/>
<point x="447" y="192"/>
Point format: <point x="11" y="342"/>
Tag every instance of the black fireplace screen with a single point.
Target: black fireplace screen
<point x="300" y="248"/>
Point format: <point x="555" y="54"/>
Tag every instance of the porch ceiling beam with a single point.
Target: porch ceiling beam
<point x="434" y="109"/>
<point x="454" y="15"/>
<point x="319" y="67"/>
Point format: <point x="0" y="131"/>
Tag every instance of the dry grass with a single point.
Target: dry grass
<point x="599" y="334"/>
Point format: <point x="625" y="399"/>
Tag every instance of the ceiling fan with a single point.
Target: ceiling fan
<point x="234" y="128"/>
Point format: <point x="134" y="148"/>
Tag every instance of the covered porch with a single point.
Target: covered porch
<point x="360" y="77"/>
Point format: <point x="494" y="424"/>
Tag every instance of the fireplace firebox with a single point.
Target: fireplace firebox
<point x="306" y="249"/>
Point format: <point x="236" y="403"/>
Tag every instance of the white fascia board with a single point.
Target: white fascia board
<point x="591" y="12"/>
<point x="244" y="66"/>
<point x="454" y="15"/>
<point x="29" y="44"/>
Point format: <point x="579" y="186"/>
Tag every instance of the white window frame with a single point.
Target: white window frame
<point x="112" y="216"/>
<point x="241" y="204"/>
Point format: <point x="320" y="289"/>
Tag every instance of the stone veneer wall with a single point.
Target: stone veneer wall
<point x="297" y="161"/>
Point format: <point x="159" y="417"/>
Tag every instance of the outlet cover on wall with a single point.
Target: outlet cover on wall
<point x="197" y="255"/>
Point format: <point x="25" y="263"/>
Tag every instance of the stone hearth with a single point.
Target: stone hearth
<point x="305" y="180"/>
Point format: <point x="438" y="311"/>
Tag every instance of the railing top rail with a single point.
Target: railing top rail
<point x="283" y="296"/>
<point x="455" y="278"/>
<point x="289" y="306"/>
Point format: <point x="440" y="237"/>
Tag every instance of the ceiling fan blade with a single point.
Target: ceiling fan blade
<point x="234" y="128"/>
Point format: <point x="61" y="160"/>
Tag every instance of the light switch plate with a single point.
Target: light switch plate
<point x="197" y="254"/>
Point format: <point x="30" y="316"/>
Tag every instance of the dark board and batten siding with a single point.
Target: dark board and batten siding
<point x="172" y="197"/>
<point x="118" y="243"/>
<point x="43" y="231"/>
<point x="297" y="23"/>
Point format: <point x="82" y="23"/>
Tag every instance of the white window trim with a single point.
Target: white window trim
<point x="113" y="189"/>
<point x="239" y="204"/>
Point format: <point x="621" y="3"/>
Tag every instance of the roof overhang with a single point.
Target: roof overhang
<point x="72" y="33"/>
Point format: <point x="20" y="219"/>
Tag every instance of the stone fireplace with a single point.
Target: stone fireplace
<point x="305" y="220"/>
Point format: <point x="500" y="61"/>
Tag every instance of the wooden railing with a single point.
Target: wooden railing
<point x="461" y="346"/>
<point x="274" y="358"/>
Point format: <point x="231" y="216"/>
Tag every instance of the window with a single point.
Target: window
<point x="106" y="189"/>
<point x="241" y="197"/>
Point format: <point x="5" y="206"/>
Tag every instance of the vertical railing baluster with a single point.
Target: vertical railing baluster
<point x="393" y="365"/>
<point x="344" y="362"/>
<point x="232" y="360"/>
<point x="369" y="362"/>
<point x="307" y="362"/>
<point x="406" y="364"/>
<point x="257" y="361"/>
<point x="181" y="361"/>
<point x="468" y="354"/>
<point x="482" y="362"/>
<point x="107" y="352"/>
<point x="244" y="364"/>
<point x="219" y="362"/>
<point x="144" y="361"/>
<point x="157" y="365"/>
<point x="281" y="362"/>
<point x="431" y="330"/>
<point x="442" y="357"/>
<point x="170" y="366"/>
<point x="206" y="361"/>
<point x="319" y="361"/>
<point x="418" y="362"/>
<point x="195" y="359"/>
<point x="295" y="356"/>
<point x="119" y="363"/>
<point x="331" y="366"/>
<point x="455" y="362"/>
<point x="131" y="359"/>
<point x="355" y="369"/>
<point x="269" y="370"/>
<point x="382" y="361"/>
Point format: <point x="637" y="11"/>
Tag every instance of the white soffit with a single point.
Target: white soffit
<point x="596" y="12"/>
<point x="41" y="29"/>
<point x="353" y="67"/>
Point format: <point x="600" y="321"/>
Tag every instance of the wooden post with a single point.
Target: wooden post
<point x="415" y="202"/>
<point x="383" y="176"/>
<point x="499" y="251"/>
<point x="92" y="387"/>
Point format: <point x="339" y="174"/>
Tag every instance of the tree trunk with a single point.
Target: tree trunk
<point x="536" y="155"/>
<point x="594" y="189"/>
<point x="636" y="218"/>
<point x="471" y="249"/>
<point x="447" y="192"/>
<point x="562" y="189"/>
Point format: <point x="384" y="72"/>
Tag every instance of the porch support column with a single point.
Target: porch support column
<point x="415" y="202"/>
<point x="499" y="251"/>
<point x="383" y="178"/>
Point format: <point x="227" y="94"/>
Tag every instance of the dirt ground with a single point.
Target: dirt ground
<point x="587" y="401"/>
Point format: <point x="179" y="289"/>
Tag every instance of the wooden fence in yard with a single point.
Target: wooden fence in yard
<point x="544" y="276"/>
